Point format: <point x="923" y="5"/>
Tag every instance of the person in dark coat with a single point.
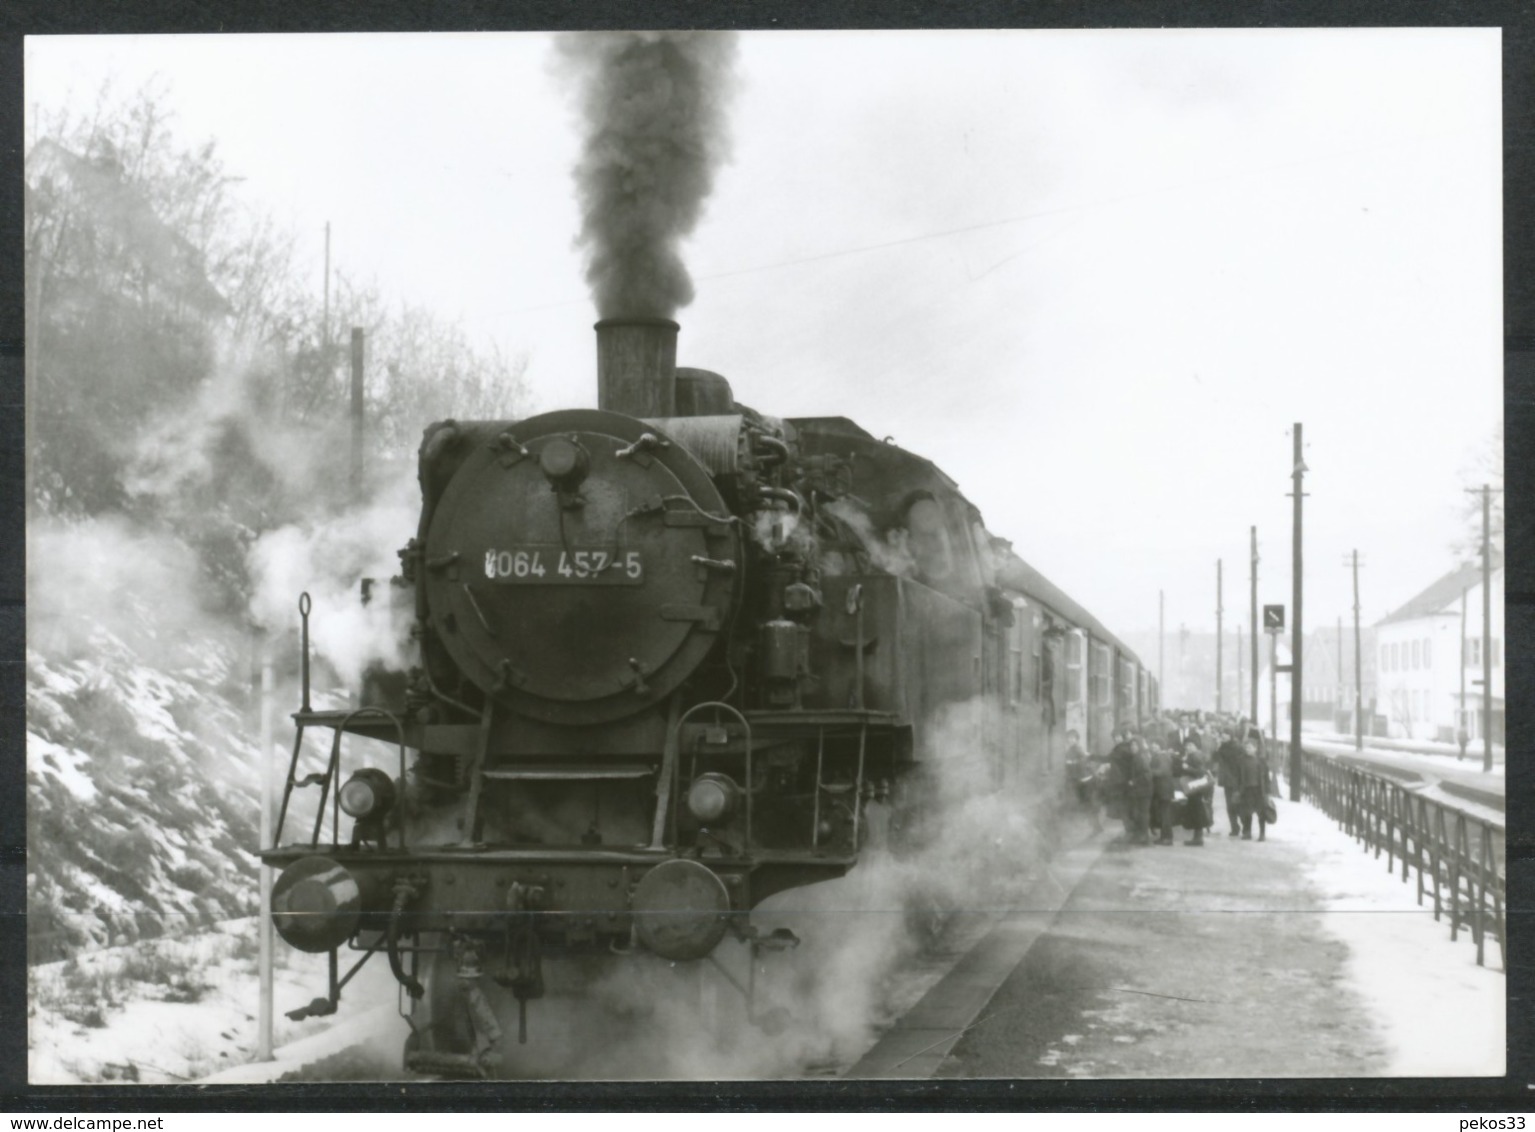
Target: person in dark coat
<point x="1228" y="772"/>
<point x="1160" y="761"/>
<point x="1196" y="788"/>
<point x="1082" y="778"/>
<point x="1254" y="787"/>
<point x="1134" y="773"/>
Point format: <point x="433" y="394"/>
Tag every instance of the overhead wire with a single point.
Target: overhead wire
<point x="1019" y="218"/>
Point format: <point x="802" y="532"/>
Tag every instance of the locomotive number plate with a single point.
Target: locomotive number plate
<point x="557" y="566"/>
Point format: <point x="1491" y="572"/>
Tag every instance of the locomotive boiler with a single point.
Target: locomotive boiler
<point x="673" y="656"/>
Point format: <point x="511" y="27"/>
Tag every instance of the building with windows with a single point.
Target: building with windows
<point x="1327" y="667"/>
<point x="1429" y="659"/>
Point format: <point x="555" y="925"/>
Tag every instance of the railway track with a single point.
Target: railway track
<point x="1437" y="777"/>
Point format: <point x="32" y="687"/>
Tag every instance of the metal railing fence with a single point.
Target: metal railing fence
<point x="1459" y="857"/>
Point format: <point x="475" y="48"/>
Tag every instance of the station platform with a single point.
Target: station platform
<point x="1298" y="956"/>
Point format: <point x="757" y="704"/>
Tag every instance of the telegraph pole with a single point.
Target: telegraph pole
<point x="1183" y="671"/>
<point x="264" y="918"/>
<point x="1342" y="687"/>
<point x="1297" y="682"/>
<point x="357" y="407"/>
<point x="1218" y="635"/>
<point x="1252" y="624"/>
<point x="1359" y="667"/>
<point x="1240" y="680"/>
<point x="1485" y="491"/>
<point x="1460" y="721"/>
<point x="1486" y="627"/>
<point x="325" y="309"/>
<point x="1274" y="690"/>
<point x="1161" y="643"/>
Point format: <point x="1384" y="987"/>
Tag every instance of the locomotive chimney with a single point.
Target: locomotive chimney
<point x="637" y="366"/>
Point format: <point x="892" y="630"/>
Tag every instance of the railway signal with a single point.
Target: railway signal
<point x="1273" y="625"/>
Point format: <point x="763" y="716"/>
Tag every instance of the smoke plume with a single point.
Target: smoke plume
<point x="654" y="108"/>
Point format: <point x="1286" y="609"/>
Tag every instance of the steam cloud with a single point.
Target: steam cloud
<point x="968" y="852"/>
<point x="328" y="559"/>
<point x="654" y="107"/>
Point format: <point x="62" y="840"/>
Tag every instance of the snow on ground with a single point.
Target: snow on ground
<point x="1443" y="1015"/>
<point x="1442" y="756"/>
<point x="170" y="1010"/>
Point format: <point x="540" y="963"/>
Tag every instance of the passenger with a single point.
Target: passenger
<point x="1135" y="774"/>
<point x="1161" y="765"/>
<point x="1082" y="777"/>
<point x="1228" y="772"/>
<point x="1111" y="782"/>
<point x="1254" y="790"/>
<point x="1196" y="790"/>
<point x="1255" y="735"/>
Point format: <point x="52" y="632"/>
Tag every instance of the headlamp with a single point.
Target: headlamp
<point x="711" y="797"/>
<point x="368" y="793"/>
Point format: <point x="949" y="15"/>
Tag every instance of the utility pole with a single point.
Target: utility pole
<point x="1252" y="622"/>
<point x="1359" y="667"/>
<point x="1161" y="649"/>
<point x="1183" y="671"/>
<point x="1342" y="694"/>
<point x="1240" y="681"/>
<point x="1297" y="681"/>
<point x="325" y="309"/>
<point x="1485" y="491"/>
<point x="1218" y="635"/>
<point x="1274" y="690"/>
<point x="356" y="414"/>
<point x="1460" y="719"/>
<point x="264" y="919"/>
<point x="1486" y="627"/>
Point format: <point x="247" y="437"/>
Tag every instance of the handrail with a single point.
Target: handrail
<point x="1459" y="856"/>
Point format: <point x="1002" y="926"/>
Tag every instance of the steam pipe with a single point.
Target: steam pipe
<point x="784" y="495"/>
<point x="772" y="446"/>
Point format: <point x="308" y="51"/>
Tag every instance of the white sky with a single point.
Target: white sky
<point x="1094" y="275"/>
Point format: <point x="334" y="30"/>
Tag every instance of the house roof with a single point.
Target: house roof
<point x="1442" y="594"/>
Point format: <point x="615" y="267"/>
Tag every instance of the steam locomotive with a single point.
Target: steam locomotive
<point x="674" y="657"/>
